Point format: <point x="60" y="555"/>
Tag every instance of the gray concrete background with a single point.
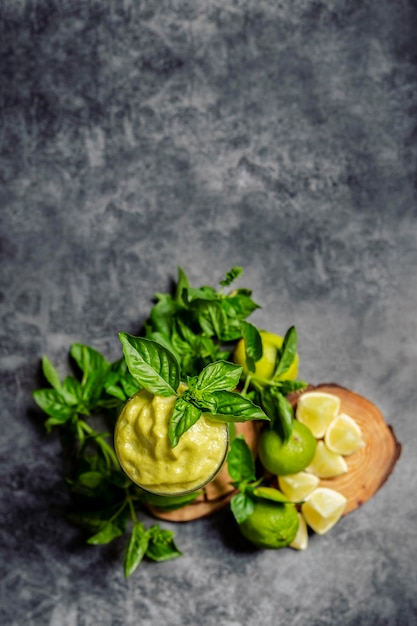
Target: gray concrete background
<point x="137" y="136"/>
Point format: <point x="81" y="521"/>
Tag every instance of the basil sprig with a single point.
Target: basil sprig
<point x="156" y="369"/>
<point x="155" y="543"/>
<point x="242" y="470"/>
<point x="195" y="330"/>
<point x="198" y="324"/>
<point x="106" y="497"/>
<point x="271" y="394"/>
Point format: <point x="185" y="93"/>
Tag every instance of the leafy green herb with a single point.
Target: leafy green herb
<point x="234" y="273"/>
<point x="184" y="415"/>
<point x="197" y="324"/>
<point x="253" y="344"/>
<point x="156" y="369"/>
<point x="188" y="338"/>
<point x="105" y="495"/>
<point x="151" y="365"/>
<point x="242" y="505"/>
<point x="161" y="545"/>
<point x="271" y="394"/>
<point x="287" y="352"/>
<point x="240" y="462"/>
<point x="136" y="548"/>
<point x="242" y="469"/>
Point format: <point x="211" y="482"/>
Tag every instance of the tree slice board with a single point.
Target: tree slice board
<point x="368" y="468"/>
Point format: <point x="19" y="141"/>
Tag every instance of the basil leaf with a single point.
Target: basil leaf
<point x="202" y="400"/>
<point x="154" y="367"/>
<point x="183" y="417"/>
<point x="204" y="293"/>
<point x="288" y="386"/>
<point x="211" y="317"/>
<point x="253" y="344"/>
<point x="136" y="548"/>
<point x="111" y="386"/>
<point x="233" y="407"/>
<point x="240" y="461"/>
<point x="279" y="410"/>
<point x="92" y="387"/>
<point x="269" y="403"/>
<point x="182" y="285"/>
<point x="106" y="534"/>
<point x="272" y="496"/>
<point x="90" y="479"/>
<point x="88" y="359"/>
<point x="129" y="385"/>
<point x="52" y="403"/>
<point x="239" y="305"/>
<point x="230" y="276"/>
<point x="164" y="341"/>
<point x="71" y="391"/>
<point x="183" y="333"/>
<point x="53" y="421"/>
<point x="286" y="416"/>
<point x="127" y="382"/>
<point x="242" y="506"/>
<point x="163" y="314"/>
<point x="287" y="352"/>
<point x="161" y="546"/>
<point x="51" y="373"/>
<point x="220" y="375"/>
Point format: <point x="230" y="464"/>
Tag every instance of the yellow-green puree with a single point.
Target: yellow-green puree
<point x="145" y="454"/>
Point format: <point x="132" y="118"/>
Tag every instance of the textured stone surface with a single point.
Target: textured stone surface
<point x="136" y="136"/>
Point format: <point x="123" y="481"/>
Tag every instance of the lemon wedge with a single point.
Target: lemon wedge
<point x="300" y="541"/>
<point x="326" y="464"/>
<point x="323" y="509"/>
<point x="343" y="435"/>
<point x="316" y="409"/>
<point x="298" y="486"/>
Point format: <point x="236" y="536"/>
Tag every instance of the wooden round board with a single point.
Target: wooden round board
<point x="368" y="468"/>
<point x="371" y="465"/>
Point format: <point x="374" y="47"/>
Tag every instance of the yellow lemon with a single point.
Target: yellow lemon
<point x="265" y="367"/>
<point x="300" y="541"/>
<point x="343" y="436"/>
<point x="298" y="486"/>
<point x="316" y="409"/>
<point x="325" y="463"/>
<point x="323" y="509"/>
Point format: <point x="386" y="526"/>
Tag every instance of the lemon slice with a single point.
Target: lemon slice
<point x="298" y="486"/>
<point x="316" y="409"/>
<point x="327" y="464"/>
<point x="323" y="509"/>
<point x="343" y="435"/>
<point x="300" y="541"/>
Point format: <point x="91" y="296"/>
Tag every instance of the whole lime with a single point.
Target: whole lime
<point x="273" y="523"/>
<point x="265" y="367"/>
<point x="281" y="457"/>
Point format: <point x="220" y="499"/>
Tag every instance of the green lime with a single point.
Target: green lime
<point x="273" y="523"/>
<point x="281" y="458"/>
